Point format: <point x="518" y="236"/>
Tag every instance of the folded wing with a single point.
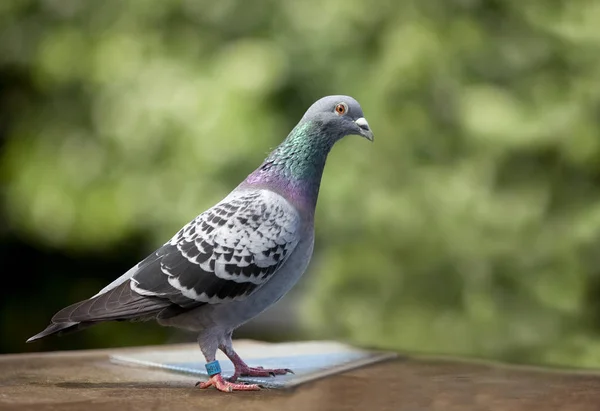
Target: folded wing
<point x="224" y="254"/>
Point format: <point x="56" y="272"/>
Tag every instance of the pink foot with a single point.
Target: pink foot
<point x="220" y="384"/>
<point x="242" y="369"/>
<point x="245" y="371"/>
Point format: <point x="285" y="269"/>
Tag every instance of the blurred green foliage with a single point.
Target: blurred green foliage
<point x="471" y="226"/>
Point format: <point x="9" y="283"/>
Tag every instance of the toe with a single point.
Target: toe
<point x="204" y="384"/>
<point x="226" y="386"/>
<point x="242" y="387"/>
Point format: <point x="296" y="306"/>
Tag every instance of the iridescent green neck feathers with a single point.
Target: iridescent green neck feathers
<point x="295" y="167"/>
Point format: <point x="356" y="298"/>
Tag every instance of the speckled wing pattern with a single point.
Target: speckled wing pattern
<point x="225" y="253"/>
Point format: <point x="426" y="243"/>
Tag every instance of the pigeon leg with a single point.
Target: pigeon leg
<point x="208" y="346"/>
<point x="243" y="370"/>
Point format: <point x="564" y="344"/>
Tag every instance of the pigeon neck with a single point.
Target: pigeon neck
<point x="294" y="169"/>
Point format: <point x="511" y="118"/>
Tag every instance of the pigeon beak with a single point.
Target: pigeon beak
<point x="365" y="130"/>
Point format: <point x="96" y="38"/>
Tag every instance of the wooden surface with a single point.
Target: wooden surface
<point x="85" y="380"/>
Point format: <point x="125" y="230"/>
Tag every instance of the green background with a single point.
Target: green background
<point x="471" y="226"/>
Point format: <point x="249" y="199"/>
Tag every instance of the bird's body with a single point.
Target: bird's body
<point x="237" y="258"/>
<point x="232" y="314"/>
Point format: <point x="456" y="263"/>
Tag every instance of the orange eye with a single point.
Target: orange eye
<point x="341" y="109"/>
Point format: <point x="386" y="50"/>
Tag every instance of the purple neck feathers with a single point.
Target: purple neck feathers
<point x="295" y="168"/>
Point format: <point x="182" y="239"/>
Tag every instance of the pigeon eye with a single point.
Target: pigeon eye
<point x="341" y="109"/>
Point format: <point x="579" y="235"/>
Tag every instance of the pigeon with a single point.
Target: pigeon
<point x="236" y="259"/>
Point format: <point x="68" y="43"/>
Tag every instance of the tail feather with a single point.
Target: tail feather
<point x="118" y="304"/>
<point x="59" y="329"/>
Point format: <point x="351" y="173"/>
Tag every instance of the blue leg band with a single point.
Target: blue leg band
<point x="213" y="368"/>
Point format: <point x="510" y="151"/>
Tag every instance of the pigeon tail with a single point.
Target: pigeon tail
<point x="59" y="329"/>
<point x="117" y="304"/>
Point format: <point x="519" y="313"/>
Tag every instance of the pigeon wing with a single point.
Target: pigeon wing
<point x="224" y="254"/>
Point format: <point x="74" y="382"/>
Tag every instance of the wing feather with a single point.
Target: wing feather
<point x="119" y="303"/>
<point x="226" y="253"/>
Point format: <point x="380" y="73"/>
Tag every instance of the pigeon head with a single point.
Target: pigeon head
<point x="294" y="169"/>
<point x="338" y="116"/>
